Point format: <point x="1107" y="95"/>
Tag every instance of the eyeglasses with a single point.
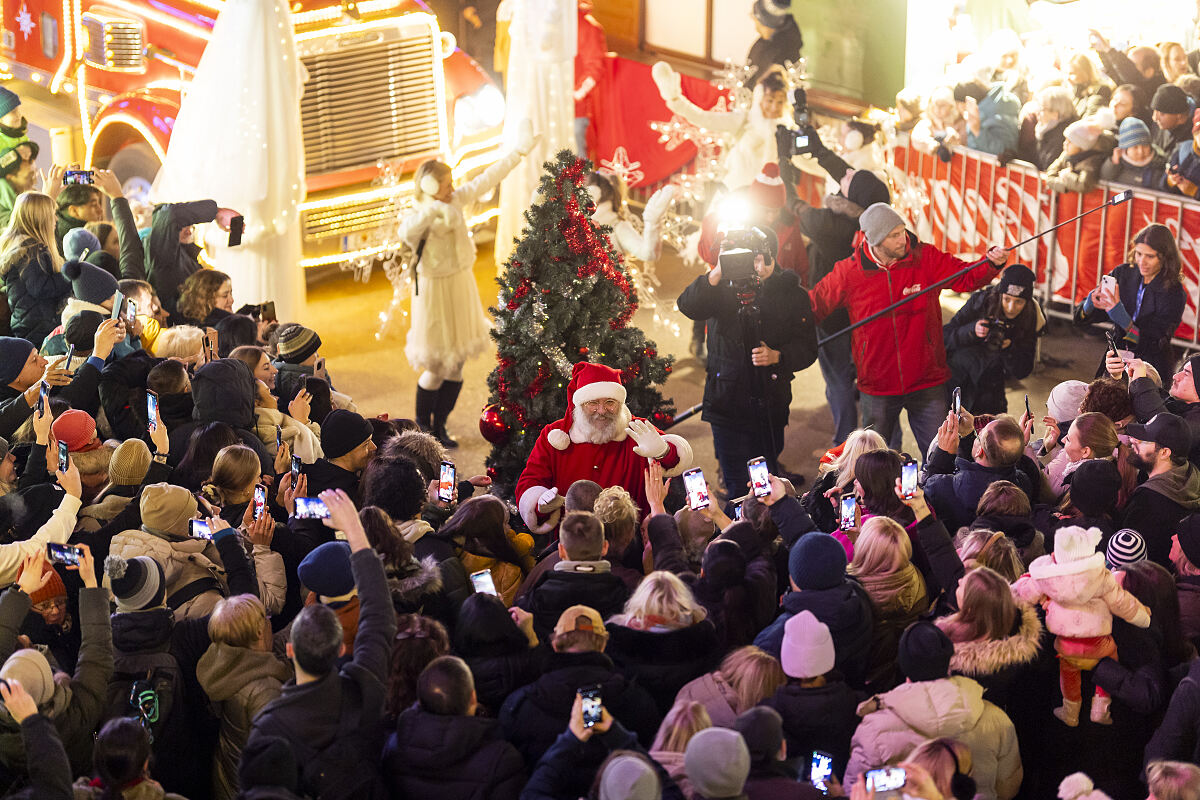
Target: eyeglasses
<point x="50" y="605"/>
<point x="596" y="405"/>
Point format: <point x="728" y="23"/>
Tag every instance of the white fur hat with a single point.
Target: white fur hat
<point x="1074" y="543"/>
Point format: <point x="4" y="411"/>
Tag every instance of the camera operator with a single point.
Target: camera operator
<point x="992" y="338"/>
<point x="831" y="231"/>
<point x="762" y="332"/>
<point x="900" y="358"/>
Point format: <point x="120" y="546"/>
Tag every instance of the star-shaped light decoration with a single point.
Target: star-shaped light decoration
<point x="25" y="21"/>
<point x="676" y="132"/>
<point x="623" y="168"/>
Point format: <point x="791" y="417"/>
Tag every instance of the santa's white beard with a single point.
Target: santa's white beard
<point x="598" y="429"/>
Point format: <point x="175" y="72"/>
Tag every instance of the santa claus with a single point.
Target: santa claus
<point x="598" y="439"/>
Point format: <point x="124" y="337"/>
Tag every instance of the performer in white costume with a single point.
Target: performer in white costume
<point x="540" y="88"/>
<point x="608" y="194"/>
<point x="448" y="324"/>
<point x="237" y="140"/>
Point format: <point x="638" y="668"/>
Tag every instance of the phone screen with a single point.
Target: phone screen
<point x="278" y="438"/>
<point x="152" y="410"/>
<point x="821" y="770"/>
<point x="483" y="583"/>
<point x="118" y="305"/>
<point x="260" y="500"/>
<point x="957" y="400"/>
<point x="593" y="706"/>
<point x="311" y="508"/>
<point x="81" y="177"/>
<point x="198" y="529"/>
<point x="886" y="779"/>
<point x="43" y="398"/>
<point x="848" y="508"/>
<point x="295" y="470"/>
<point x="131" y="307"/>
<point x="697" y="490"/>
<point x="446" y="482"/>
<point x="737" y="512"/>
<point x="62" y="553"/>
<point x="267" y="311"/>
<point x="70" y="356"/>
<point x="758" y="477"/>
<point x="908" y="479"/>
<point x="64" y="456"/>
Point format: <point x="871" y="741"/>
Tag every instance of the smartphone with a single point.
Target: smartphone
<point x="152" y="410"/>
<point x="237" y="226"/>
<point x="908" y="479"/>
<point x="70" y="355"/>
<point x="198" y="529"/>
<point x="260" y="500"/>
<point x="820" y="770"/>
<point x="849" y="505"/>
<point x="483" y="583"/>
<point x="1028" y="411"/>
<point x="208" y="351"/>
<point x="956" y="401"/>
<point x="79" y="177"/>
<point x="278" y="438"/>
<point x="62" y="553"/>
<point x="295" y="470"/>
<point x="697" y="490"/>
<point x="759" y="485"/>
<point x="1109" y="285"/>
<point x="737" y="511"/>
<point x="131" y="309"/>
<point x="446" y="482"/>
<point x="319" y="366"/>
<point x="266" y="312"/>
<point x="43" y="398"/>
<point x="311" y="508"/>
<point x="64" y="456"/>
<point x="118" y="305"/>
<point x="1112" y="344"/>
<point x="886" y="779"/>
<point x="593" y="705"/>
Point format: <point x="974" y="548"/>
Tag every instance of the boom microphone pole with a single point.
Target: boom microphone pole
<point x="1115" y="200"/>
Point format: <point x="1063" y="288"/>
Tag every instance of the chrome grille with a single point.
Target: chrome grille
<point x="353" y="216"/>
<point x="114" y="43"/>
<point x="370" y="97"/>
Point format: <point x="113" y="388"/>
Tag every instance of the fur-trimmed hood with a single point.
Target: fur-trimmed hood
<point x="414" y="581"/>
<point x="979" y="658"/>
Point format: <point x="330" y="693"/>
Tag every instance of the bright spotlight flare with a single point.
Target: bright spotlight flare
<point x="1116" y="200"/>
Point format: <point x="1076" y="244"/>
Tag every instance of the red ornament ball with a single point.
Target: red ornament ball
<point x="662" y="420"/>
<point x="492" y="425"/>
<point x="583" y="351"/>
<point x="492" y="473"/>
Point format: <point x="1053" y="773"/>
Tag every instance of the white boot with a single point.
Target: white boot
<point x="1068" y="712"/>
<point x="1099" y="713"/>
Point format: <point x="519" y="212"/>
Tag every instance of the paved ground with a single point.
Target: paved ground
<point x="375" y="373"/>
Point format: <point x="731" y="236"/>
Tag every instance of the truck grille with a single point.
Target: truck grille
<point x="114" y="42"/>
<point x="370" y="96"/>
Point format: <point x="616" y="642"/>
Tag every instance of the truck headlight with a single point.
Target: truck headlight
<point x="478" y="111"/>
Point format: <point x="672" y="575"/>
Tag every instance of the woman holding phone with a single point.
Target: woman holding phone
<point x="1143" y="299"/>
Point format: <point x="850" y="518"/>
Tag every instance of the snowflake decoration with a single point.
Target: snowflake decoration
<point x="676" y="132"/>
<point x="623" y="168"/>
<point x="25" y="21"/>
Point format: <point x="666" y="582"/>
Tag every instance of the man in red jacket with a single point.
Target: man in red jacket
<point x="900" y="358"/>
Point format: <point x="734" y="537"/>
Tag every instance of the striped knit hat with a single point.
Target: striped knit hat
<point x="296" y="343"/>
<point x="1124" y="548"/>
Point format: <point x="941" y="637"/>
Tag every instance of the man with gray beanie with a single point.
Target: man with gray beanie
<point x="900" y="357"/>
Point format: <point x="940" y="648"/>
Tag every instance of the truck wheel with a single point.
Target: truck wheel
<point x="135" y="166"/>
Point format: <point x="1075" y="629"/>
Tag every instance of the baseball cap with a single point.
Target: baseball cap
<point x="1165" y="430"/>
<point x="580" y="618"/>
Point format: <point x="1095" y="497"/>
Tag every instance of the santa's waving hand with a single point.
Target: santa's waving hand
<point x="598" y="439"/>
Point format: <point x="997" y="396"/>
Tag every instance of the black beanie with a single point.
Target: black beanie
<point x="1017" y="281"/>
<point x="865" y="189"/>
<point x="924" y="652"/>
<point x="342" y="431"/>
<point x="724" y="565"/>
<point x="14" y="352"/>
<point x="1170" y="99"/>
<point x="81" y="329"/>
<point x="89" y="283"/>
<point x="1094" y="487"/>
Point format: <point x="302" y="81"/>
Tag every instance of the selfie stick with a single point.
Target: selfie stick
<point x="1116" y="199"/>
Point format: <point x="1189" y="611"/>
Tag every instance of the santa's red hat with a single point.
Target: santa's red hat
<point x="767" y="189"/>
<point x="588" y="382"/>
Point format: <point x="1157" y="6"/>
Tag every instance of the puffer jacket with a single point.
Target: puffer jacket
<point x="713" y="691"/>
<point x="998" y="664"/>
<point x="302" y="440"/>
<point x="818" y="717"/>
<point x="239" y="683"/>
<point x="505" y="575"/>
<point x="184" y="561"/>
<point x="896" y="722"/>
<point x="1083" y="596"/>
<point x="35" y="294"/>
<point x="902" y="352"/>
<point x="663" y="659"/>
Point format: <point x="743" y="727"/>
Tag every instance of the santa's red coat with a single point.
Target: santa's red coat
<point x="610" y="464"/>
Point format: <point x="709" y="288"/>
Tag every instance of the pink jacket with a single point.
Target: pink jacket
<point x="1080" y="597"/>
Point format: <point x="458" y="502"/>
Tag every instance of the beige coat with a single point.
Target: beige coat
<point x="303" y="440"/>
<point x="183" y="561"/>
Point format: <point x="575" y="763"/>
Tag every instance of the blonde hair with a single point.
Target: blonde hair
<point x="663" y="596"/>
<point x="753" y="674"/>
<point x="987" y="612"/>
<point x="434" y="168"/>
<point x="30" y="226"/>
<point x="883" y="546"/>
<point x="938" y="757"/>
<point x="198" y="297"/>
<point x="234" y="470"/>
<point x="1083" y="64"/>
<point x="685" y="719"/>
<point x="94" y="462"/>
<point x="857" y="443"/>
<point x="615" y="508"/>
<point x="237" y="621"/>
<point x="1173" y="780"/>
<point x="1164" y="59"/>
<point x="180" y="341"/>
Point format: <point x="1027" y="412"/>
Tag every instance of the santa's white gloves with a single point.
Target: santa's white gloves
<point x="650" y="443"/>
<point x="549" y="501"/>
<point x="525" y="137"/>
<point x="669" y="82"/>
<point x="657" y="205"/>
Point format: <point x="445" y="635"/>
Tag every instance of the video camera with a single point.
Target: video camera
<point x="800" y="141"/>
<point x="738" y="251"/>
<point x="997" y="333"/>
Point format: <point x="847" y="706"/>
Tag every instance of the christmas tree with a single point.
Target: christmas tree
<point x="565" y="296"/>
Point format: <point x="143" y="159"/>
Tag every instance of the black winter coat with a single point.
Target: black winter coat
<point x="1178" y="737"/>
<point x="1049" y="146"/>
<point x="818" y="718"/>
<point x="451" y="758"/>
<point x="663" y="662"/>
<point x="456" y="584"/>
<point x="558" y="591"/>
<point x="534" y="716"/>
<point x="497" y="676"/>
<point x="979" y="369"/>
<point x="169" y="262"/>
<point x="1156" y="320"/>
<point x="786" y="325"/>
<point x="223" y="391"/>
<point x="36" y="294"/>
<point x="123" y="395"/>
<point x="954" y="495"/>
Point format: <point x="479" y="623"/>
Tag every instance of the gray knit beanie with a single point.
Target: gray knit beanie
<point x="878" y="221"/>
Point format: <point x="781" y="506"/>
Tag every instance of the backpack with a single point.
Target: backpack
<point x="146" y="686"/>
<point x="344" y="770"/>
